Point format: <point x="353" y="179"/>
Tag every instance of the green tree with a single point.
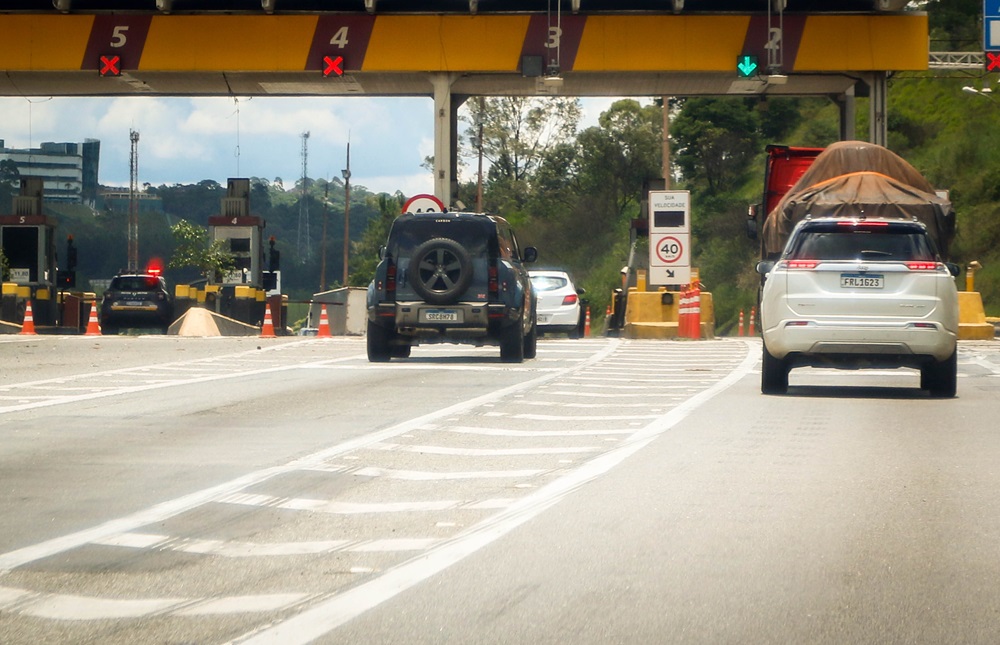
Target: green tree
<point x="365" y="251"/>
<point x="4" y="267"/>
<point x="517" y="133"/>
<point x="193" y="249"/>
<point x="715" y="141"/>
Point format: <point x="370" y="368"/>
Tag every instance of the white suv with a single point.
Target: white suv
<point x="855" y="293"/>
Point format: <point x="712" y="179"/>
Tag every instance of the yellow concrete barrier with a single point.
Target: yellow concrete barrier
<point x="972" y="323"/>
<point x="654" y="314"/>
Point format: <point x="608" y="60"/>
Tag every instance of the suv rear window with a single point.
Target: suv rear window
<point x="136" y="283"/>
<point x="473" y="236"/>
<point x="868" y="243"/>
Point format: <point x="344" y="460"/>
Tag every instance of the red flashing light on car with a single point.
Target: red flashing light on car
<point x="155" y="267"/>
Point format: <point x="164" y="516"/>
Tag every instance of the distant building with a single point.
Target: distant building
<point x="68" y="170"/>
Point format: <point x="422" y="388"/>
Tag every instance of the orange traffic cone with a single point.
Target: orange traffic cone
<point x="268" y="329"/>
<point x="324" y="324"/>
<point x="586" y="324"/>
<point x="93" y="327"/>
<point x="741" y="323"/>
<point x="28" y="326"/>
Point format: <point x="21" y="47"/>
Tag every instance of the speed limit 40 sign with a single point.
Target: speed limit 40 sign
<point x="670" y="249"/>
<point x="669" y="237"/>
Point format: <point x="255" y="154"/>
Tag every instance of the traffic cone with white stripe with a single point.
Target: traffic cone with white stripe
<point x="28" y="325"/>
<point x="324" y="324"/>
<point x="267" y="331"/>
<point x="93" y="327"/>
<point x="586" y="324"/>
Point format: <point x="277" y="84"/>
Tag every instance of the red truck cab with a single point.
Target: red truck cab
<point x="783" y="167"/>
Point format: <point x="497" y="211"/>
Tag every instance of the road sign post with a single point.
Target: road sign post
<point x="669" y="237"/>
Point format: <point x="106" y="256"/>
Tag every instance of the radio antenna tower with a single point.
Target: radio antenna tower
<point x="133" y="204"/>
<point x="305" y="250"/>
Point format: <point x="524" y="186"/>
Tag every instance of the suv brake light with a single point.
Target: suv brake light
<point x="390" y="281"/>
<point x="494" y="284"/>
<point x="922" y="266"/>
<point x="802" y="264"/>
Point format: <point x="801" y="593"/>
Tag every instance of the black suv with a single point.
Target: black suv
<point x="136" y="300"/>
<point x="452" y="277"/>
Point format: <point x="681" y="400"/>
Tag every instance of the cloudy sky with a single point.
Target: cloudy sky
<point x="186" y="140"/>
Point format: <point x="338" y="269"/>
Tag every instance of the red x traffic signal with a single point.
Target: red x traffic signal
<point x="992" y="61"/>
<point x="333" y="66"/>
<point x="111" y="65"/>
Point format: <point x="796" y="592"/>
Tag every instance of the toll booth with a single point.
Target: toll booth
<point x="27" y="238"/>
<point x="241" y="291"/>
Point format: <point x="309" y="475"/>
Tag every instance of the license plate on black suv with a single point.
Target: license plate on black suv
<point x="440" y="315"/>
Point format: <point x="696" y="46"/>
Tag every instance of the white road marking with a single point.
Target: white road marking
<point x="483" y="452"/>
<point x="425" y="476"/>
<point x="580" y="419"/>
<point x="563" y="404"/>
<point x="166" y="510"/>
<point x="242" y="604"/>
<point x="497" y="432"/>
<point x="616" y="395"/>
<point x="231" y="549"/>
<point x="327" y="615"/>
<point x="72" y="607"/>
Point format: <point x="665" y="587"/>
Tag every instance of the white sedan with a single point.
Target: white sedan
<point x="558" y="309"/>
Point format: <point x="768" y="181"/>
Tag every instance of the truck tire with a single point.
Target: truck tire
<point x="941" y="379"/>
<point x="531" y="339"/>
<point x="512" y="342"/>
<point x="378" y="343"/>
<point x="773" y="374"/>
<point x="440" y="270"/>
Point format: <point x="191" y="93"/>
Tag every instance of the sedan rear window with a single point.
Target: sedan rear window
<point x="548" y="282"/>
<point x="861" y="244"/>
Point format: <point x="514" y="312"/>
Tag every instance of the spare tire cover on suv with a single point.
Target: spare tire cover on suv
<point x="440" y="270"/>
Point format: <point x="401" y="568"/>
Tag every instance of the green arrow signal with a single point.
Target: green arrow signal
<point x="746" y="65"/>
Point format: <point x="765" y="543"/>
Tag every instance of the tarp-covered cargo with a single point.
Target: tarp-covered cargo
<point x="855" y="178"/>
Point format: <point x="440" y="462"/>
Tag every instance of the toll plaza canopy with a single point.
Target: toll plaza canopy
<point x="491" y="47"/>
<point x="450" y="50"/>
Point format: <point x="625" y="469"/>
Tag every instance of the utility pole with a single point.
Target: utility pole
<point x="479" y="182"/>
<point x="322" y="244"/>
<point x="305" y="252"/>
<point x="133" y="205"/>
<point x="347" y="212"/>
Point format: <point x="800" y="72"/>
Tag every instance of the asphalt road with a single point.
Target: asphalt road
<point x="176" y="490"/>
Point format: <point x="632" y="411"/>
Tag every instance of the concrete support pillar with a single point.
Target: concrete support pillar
<point x="877" y="110"/>
<point x="445" y="139"/>
<point x="848" y="115"/>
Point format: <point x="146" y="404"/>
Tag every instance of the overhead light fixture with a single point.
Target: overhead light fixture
<point x="370" y="6"/>
<point x="166" y="6"/>
<point x="678" y="6"/>
<point x="473" y="6"/>
<point x="776" y="79"/>
<point x="575" y="6"/>
<point x="267" y="5"/>
<point x="63" y="5"/>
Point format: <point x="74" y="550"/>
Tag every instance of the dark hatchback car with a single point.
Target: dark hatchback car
<point x="452" y="277"/>
<point x="138" y="300"/>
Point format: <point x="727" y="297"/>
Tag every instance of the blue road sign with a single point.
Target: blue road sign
<point x="991" y="25"/>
